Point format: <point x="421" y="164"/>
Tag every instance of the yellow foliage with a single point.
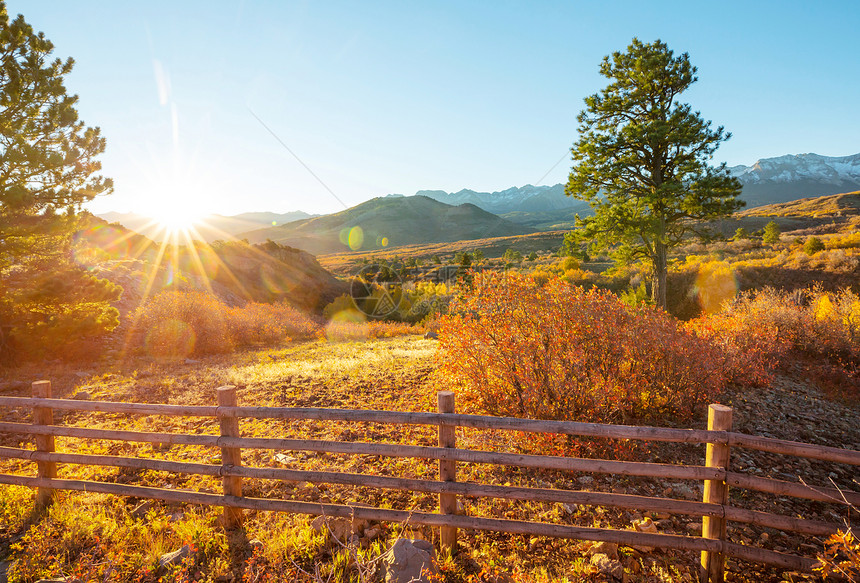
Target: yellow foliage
<point x="823" y="308"/>
<point x="715" y="285"/>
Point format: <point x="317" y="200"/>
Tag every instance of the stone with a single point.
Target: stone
<point x="191" y="361"/>
<point x="679" y="489"/>
<point x="82" y="396"/>
<point x="168" y="560"/>
<point x="372" y="533"/>
<point x="604" y="548"/>
<point x="410" y="560"/>
<point x="284" y="459"/>
<point x="568" y="508"/>
<point x="358" y="525"/>
<point x="339" y="528"/>
<point x="585" y="479"/>
<point x="610" y="567"/>
<point x="645" y="525"/>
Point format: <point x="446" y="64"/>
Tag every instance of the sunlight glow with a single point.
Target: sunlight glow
<point x="175" y="217"/>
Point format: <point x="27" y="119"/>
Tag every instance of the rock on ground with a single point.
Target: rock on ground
<point x="410" y="560"/>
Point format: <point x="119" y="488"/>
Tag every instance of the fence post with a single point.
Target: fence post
<point x="45" y="443"/>
<point x="716" y="492"/>
<point x="230" y="456"/>
<point x="447" y="471"/>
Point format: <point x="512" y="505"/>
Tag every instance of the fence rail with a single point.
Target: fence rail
<point x="714" y="509"/>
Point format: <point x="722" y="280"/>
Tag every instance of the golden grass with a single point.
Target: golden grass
<point x="379" y="374"/>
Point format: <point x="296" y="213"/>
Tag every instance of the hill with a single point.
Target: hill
<point x="836" y="205"/>
<point x="236" y="272"/>
<point x="210" y="228"/>
<point x="346" y="264"/>
<point x="388" y="222"/>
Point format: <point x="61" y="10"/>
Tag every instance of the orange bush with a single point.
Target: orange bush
<point x="774" y="322"/>
<point x="759" y="330"/>
<point x="256" y="323"/>
<point x="182" y="323"/>
<point x="560" y="352"/>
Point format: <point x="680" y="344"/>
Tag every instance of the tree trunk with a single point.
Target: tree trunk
<point x="658" y="276"/>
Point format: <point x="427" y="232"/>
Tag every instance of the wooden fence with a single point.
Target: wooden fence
<point x="714" y="509"/>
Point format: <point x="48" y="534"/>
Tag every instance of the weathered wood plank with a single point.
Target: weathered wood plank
<point x="782" y="488"/>
<point x="795" y="448"/>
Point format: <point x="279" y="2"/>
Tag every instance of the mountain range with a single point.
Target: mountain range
<point x="787" y="178"/>
<point x="768" y="181"/>
<point x="397" y="220"/>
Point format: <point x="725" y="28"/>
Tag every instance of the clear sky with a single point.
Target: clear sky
<point x="394" y="97"/>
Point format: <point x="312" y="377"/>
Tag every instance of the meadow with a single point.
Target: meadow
<point x="786" y="358"/>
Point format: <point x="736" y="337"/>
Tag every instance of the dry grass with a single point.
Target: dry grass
<point x="112" y="543"/>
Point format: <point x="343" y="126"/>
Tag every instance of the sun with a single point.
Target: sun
<point x="175" y="216"/>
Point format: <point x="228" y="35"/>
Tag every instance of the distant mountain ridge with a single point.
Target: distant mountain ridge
<point x="526" y="198"/>
<point x="790" y="177"/>
<point x="389" y="221"/>
<point x="768" y="181"/>
<point x="212" y="227"/>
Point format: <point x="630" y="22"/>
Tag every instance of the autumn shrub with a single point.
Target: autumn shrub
<point x="841" y="557"/>
<point x="813" y="245"/>
<point x="514" y="348"/>
<point x="761" y="329"/>
<point x="257" y="323"/>
<point x="179" y="323"/>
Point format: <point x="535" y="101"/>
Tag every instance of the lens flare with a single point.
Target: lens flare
<point x="170" y="339"/>
<point x="715" y="284"/>
<point x="356" y="238"/>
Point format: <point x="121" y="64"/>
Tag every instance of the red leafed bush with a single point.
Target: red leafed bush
<point x="513" y="347"/>
<point x="759" y="330"/>
<point x="751" y="347"/>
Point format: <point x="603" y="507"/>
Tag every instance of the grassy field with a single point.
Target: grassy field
<point x="104" y="538"/>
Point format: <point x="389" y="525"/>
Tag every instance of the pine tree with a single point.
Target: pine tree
<point x="771" y="233"/>
<point x="641" y="161"/>
<point x="48" y="169"/>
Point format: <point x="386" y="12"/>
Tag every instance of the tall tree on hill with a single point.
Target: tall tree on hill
<point x="47" y="170"/>
<point x="642" y="161"/>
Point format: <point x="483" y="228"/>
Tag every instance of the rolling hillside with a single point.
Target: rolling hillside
<point x="235" y="272"/>
<point x="388" y="222"/>
<point x="835" y="205"/>
<point x="210" y="228"/>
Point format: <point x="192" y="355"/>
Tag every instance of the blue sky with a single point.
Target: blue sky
<point x="393" y="97"/>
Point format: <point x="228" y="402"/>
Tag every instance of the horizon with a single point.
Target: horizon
<point x="384" y="99"/>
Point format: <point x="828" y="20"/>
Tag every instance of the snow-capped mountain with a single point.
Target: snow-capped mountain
<point x="786" y="178"/>
<point x="768" y="181"/>
<point x="526" y="198"/>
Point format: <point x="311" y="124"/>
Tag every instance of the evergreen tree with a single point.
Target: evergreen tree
<point x="771" y="233"/>
<point x="641" y="161"/>
<point x="48" y="169"/>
